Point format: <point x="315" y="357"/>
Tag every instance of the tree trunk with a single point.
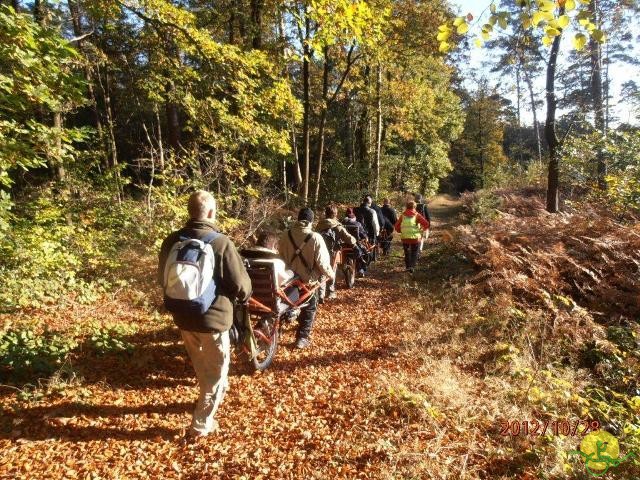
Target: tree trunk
<point x="74" y="10"/>
<point x="606" y="86"/>
<point x="481" y="139"/>
<point x="553" y="181"/>
<point x="160" y="144"/>
<point x="353" y="124"/>
<point x="232" y="23"/>
<point x="596" y="94"/>
<point x="323" y="120"/>
<point x="256" y="20"/>
<point x="363" y="137"/>
<point x="519" y="95"/>
<point x="38" y="12"/>
<point x="378" y="128"/>
<point x="57" y="164"/>
<point x="113" y="151"/>
<point x="306" y="107"/>
<point x="534" y="110"/>
<point x="173" y="121"/>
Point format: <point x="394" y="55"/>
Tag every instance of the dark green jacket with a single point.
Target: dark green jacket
<point x="230" y="276"/>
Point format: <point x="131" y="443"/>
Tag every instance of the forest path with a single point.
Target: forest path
<point x="324" y="412"/>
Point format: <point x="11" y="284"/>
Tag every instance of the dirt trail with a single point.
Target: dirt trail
<point x="317" y="413"/>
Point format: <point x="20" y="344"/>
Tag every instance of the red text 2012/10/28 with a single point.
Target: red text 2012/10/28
<point x="567" y="428"/>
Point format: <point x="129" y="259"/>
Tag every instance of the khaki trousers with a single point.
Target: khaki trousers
<point x="210" y="354"/>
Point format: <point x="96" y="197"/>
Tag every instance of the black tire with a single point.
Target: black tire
<point x="349" y="271"/>
<point x="267" y="336"/>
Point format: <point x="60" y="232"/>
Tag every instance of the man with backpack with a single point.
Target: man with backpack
<point x="305" y="252"/>
<point x="379" y="216"/>
<point x="368" y="217"/>
<point x="386" y="229"/>
<point x="335" y="236"/>
<point x="202" y="275"/>
<point x="410" y="226"/>
<point x="421" y="208"/>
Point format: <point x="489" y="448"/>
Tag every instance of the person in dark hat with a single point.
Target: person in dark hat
<point x="355" y="228"/>
<point x="305" y="252"/>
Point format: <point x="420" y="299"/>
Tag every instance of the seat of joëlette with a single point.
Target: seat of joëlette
<point x="265" y="288"/>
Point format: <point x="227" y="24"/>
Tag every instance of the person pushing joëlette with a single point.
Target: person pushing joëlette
<point x="305" y="252"/>
<point x="197" y="261"/>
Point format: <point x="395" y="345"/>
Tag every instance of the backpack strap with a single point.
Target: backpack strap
<point x="210" y="237"/>
<point x="298" y="252"/>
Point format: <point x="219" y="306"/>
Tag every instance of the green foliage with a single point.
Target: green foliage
<point x="236" y="104"/>
<point x="514" y="175"/>
<point x="478" y="154"/>
<point x="549" y="18"/>
<point x="622" y="150"/>
<point x="25" y="353"/>
<point x="481" y="206"/>
<point x="59" y="245"/>
<point x="37" y="78"/>
<point x="424" y="117"/>
<point x="112" y="339"/>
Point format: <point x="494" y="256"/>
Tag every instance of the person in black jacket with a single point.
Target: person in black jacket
<point x="368" y="217"/>
<point x="379" y="215"/>
<point x="355" y="228"/>
<point x="390" y="219"/>
<point x="389" y="212"/>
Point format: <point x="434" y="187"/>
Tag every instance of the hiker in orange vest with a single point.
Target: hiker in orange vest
<point x="410" y="226"/>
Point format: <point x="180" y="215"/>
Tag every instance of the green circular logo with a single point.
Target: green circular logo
<point x="599" y="447"/>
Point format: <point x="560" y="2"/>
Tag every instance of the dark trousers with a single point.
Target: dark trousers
<point x="411" y="254"/>
<point x="307" y="316"/>
<point x="385" y="243"/>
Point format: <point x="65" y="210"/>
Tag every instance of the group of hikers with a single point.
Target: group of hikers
<point x="203" y="275"/>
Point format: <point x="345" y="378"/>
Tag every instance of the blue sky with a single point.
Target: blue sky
<point x="480" y="59"/>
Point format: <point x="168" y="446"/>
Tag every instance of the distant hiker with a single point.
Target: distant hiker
<point x="335" y="236"/>
<point x="386" y="229"/>
<point x="368" y="217"/>
<point x="202" y="274"/>
<point x="355" y="228"/>
<point x="421" y="208"/>
<point x="306" y="254"/>
<point x="389" y="212"/>
<point x="410" y="225"/>
<point x="376" y="208"/>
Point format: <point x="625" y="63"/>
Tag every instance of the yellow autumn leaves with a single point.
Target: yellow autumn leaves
<point x="551" y="17"/>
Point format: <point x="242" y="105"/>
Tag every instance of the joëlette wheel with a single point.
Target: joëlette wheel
<point x="267" y="335"/>
<point x="349" y="270"/>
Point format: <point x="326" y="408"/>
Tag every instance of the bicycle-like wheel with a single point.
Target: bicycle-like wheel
<point x="349" y="271"/>
<point x="266" y="333"/>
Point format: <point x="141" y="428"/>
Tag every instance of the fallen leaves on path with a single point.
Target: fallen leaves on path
<point x="309" y="416"/>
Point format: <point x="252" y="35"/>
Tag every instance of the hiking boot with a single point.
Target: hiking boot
<point x="360" y="273"/>
<point x="331" y="296"/>
<point x="303" y="343"/>
<point x="191" y="436"/>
